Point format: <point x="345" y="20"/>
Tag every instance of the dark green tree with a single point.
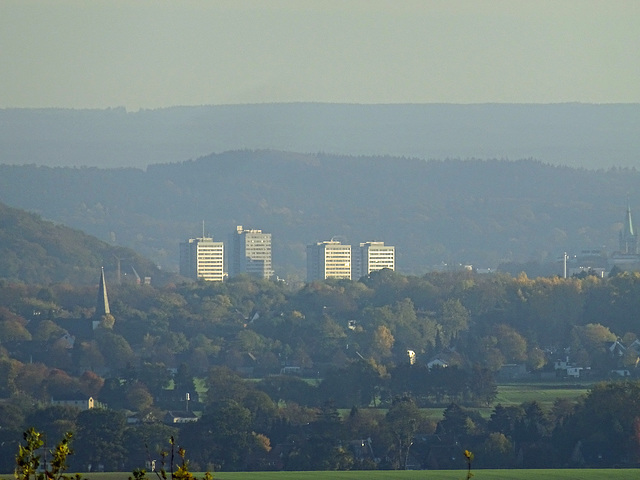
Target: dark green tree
<point x="99" y="440"/>
<point x="183" y="380"/>
<point x="222" y="437"/>
<point x="482" y="385"/>
<point x="403" y="420"/>
<point x="146" y="441"/>
<point x="607" y="425"/>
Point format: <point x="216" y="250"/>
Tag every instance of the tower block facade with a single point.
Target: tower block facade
<point x="202" y="259"/>
<point x="328" y="259"/>
<point x="250" y="253"/>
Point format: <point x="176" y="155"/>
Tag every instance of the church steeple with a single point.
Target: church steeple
<point x="628" y="237"/>
<point x="628" y="226"/>
<point x="102" y="305"/>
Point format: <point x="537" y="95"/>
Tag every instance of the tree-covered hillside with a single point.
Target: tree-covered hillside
<point x="36" y="251"/>
<point x="351" y="340"/>
<point x="261" y="326"/>
<point x="480" y="212"/>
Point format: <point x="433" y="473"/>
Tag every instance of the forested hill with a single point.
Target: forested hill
<point x="36" y="251"/>
<point x="481" y="212"/>
<point x="572" y="134"/>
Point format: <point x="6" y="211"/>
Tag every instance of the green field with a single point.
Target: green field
<point x="545" y="394"/>
<point x="518" y="393"/>
<point x="568" y="474"/>
<point x="440" y="475"/>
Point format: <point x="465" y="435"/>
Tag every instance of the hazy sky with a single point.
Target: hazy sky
<point x="148" y="54"/>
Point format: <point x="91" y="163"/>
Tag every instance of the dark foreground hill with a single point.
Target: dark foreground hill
<point x="477" y="212"/>
<point x="33" y="250"/>
<point x="572" y="134"/>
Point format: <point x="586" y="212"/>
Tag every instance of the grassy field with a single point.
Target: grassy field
<point x="440" y="475"/>
<point x="569" y="474"/>
<point x="518" y="393"/>
<point x="546" y="394"/>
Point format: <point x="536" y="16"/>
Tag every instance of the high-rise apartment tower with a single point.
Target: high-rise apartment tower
<point x="202" y="258"/>
<point x="250" y="252"/>
<point x="372" y="256"/>
<point x="328" y="259"/>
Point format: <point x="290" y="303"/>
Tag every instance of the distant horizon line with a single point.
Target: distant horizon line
<point x="355" y="104"/>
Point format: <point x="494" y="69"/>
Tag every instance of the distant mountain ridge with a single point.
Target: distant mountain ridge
<point x="480" y="212"/>
<point x="572" y="134"/>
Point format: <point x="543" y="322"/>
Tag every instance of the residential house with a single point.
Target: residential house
<point x="77" y="400"/>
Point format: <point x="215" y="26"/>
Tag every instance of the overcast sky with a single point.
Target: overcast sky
<point x="149" y="54"/>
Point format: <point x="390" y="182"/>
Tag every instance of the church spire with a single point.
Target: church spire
<point x="628" y="226"/>
<point x="628" y="237"/>
<point x="102" y="305"/>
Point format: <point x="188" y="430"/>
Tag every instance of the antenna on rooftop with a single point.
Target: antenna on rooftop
<point x="118" y="260"/>
<point x="118" y="270"/>
<point x="202" y="228"/>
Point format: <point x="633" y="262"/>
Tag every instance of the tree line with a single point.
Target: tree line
<point x="245" y="430"/>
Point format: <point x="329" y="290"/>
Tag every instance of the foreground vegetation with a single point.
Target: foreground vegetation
<point x="235" y="433"/>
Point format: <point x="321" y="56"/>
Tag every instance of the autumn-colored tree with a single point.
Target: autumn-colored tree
<point x="382" y="342"/>
<point x="510" y="343"/>
<point x="12" y="327"/>
<point x="138" y="397"/>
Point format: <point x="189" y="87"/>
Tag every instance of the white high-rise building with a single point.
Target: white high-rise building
<point x="328" y="259"/>
<point x="372" y="256"/>
<point x="202" y="258"/>
<point x="250" y="252"/>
